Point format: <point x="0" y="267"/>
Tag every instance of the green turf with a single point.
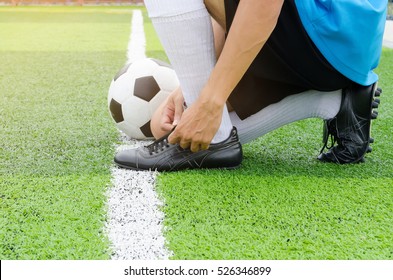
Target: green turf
<point x="284" y="204"/>
<point x="55" y="131"/>
<point x="57" y="147"/>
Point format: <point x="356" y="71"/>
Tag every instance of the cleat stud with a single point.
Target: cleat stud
<point x="369" y="149"/>
<point x="374" y="115"/>
<point x="377" y="100"/>
<point x="371" y="140"/>
<point x="378" y="92"/>
<point x="375" y="104"/>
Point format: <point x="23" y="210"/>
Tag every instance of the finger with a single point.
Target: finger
<point x="167" y="115"/>
<point x="204" y="146"/>
<point x="195" y="147"/>
<point x="167" y="126"/>
<point x="198" y="146"/>
<point x="173" y="138"/>
<point x="179" y="109"/>
<point x="166" y="122"/>
<point x="185" y="144"/>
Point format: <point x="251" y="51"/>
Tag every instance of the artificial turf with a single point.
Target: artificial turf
<point x="55" y="130"/>
<point x="284" y="204"/>
<point x="57" y="147"/>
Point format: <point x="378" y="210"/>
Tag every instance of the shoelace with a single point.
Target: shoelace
<point x="328" y="133"/>
<point x="158" y="145"/>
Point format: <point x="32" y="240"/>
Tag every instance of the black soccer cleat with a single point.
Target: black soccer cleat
<point x="350" y="128"/>
<point x="162" y="156"/>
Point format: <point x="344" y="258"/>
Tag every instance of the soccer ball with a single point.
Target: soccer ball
<point x="136" y="92"/>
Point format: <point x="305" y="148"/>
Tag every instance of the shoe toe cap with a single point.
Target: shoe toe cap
<point x="328" y="157"/>
<point x="126" y="158"/>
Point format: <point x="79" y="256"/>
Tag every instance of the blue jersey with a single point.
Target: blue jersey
<point x="349" y="33"/>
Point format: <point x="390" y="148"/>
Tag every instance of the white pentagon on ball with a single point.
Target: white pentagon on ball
<point x="136" y="92"/>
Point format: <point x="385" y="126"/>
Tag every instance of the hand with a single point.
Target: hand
<point x="167" y="115"/>
<point x="172" y="111"/>
<point x="198" y="125"/>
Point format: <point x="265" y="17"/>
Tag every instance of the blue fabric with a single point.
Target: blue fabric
<point x="349" y="33"/>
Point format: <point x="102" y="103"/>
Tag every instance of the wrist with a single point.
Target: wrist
<point x="212" y="97"/>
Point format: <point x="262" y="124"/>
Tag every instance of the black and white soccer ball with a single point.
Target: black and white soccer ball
<point x="136" y="92"/>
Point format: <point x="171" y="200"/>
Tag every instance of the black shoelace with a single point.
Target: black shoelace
<point x="328" y="133"/>
<point x="159" y="145"/>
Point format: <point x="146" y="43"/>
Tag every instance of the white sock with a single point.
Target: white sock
<point x="185" y="31"/>
<point x="308" y="104"/>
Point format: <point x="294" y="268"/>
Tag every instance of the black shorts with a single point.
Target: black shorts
<point x="288" y="63"/>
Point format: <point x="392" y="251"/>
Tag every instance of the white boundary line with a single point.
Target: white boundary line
<point x="134" y="224"/>
<point x="137" y="43"/>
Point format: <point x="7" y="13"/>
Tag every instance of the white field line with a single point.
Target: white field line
<point x="137" y="44"/>
<point x="134" y="224"/>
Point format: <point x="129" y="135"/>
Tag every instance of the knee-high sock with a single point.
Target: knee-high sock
<point x="185" y="31"/>
<point x="309" y="104"/>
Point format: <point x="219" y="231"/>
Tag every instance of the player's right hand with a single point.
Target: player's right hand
<point x="173" y="110"/>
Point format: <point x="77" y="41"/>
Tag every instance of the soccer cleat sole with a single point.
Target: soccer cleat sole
<point x="374" y="115"/>
<point x="186" y="169"/>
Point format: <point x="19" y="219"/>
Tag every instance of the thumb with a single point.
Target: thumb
<point x="179" y="109"/>
<point x="173" y="138"/>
